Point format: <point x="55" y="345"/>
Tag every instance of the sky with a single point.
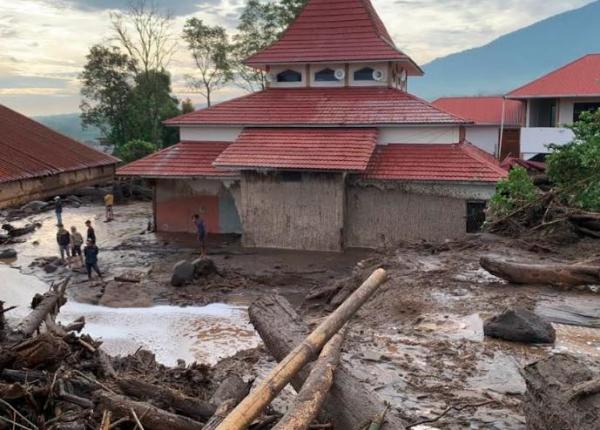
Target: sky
<point x="43" y="43"/>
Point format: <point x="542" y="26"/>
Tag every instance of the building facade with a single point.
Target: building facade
<point x="335" y="153"/>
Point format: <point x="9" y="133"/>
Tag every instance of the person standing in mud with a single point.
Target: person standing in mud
<point x="109" y="200"/>
<point x="91" y="234"/>
<point x="91" y="259"/>
<point x="201" y="232"/>
<point x="76" y="243"/>
<point x="58" y="208"/>
<point x="63" y="238"/>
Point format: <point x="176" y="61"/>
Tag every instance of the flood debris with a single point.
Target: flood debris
<point x="520" y="325"/>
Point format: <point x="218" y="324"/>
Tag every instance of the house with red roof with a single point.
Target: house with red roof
<point x="556" y="100"/>
<point x="496" y="122"/>
<point x="334" y="153"/>
<point x="38" y="162"/>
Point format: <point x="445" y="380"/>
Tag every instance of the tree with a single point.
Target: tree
<point x="107" y="81"/>
<point x="209" y="47"/>
<point x="289" y="10"/>
<point x="513" y="192"/>
<point x="135" y="149"/>
<point x="187" y="106"/>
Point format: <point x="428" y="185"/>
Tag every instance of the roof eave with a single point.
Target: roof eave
<point x="548" y="96"/>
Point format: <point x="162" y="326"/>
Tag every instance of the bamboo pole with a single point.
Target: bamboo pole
<point x="251" y="407"/>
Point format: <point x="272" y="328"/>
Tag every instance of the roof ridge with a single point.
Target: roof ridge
<point x="465" y="120"/>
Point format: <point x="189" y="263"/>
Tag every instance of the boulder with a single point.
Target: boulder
<point x="183" y="273"/>
<point x="520" y="325"/>
<point x="35" y="206"/>
<point x="204" y="267"/>
<point x="8" y="253"/>
<point x="50" y="268"/>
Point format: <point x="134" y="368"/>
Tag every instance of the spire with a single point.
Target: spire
<point x="334" y="31"/>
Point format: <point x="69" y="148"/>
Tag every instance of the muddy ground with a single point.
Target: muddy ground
<point x="418" y="343"/>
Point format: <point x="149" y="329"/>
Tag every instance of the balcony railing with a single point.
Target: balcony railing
<point x="534" y="140"/>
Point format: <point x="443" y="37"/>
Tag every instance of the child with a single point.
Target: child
<point x="91" y="259"/>
<point x="201" y="231"/>
<point x="76" y="242"/>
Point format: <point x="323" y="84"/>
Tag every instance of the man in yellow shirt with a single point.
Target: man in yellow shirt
<point x="109" y="200"/>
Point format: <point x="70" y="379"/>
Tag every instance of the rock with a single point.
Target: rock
<point x="18" y="231"/>
<point x="8" y="253"/>
<point x="129" y="276"/>
<point x="35" y="206"/>
<point x="50" y="268"/>
<point x="204" y="267"/>
<point x="183" y="273"/>
<point x="520" y="325"/>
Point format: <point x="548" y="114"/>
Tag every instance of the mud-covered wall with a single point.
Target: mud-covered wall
<point x="383" y="214"/>
<point x="297" y="211"/>
<point x="20" y="192"/>
<point x="177" y="200"/>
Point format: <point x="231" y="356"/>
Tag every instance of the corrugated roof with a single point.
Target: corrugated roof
<point x="433" y="162"/>
<point x="186" y="159"/>
<point x="30" y="149"/>
<point x="320" y="107"/>
<point x="579" y="78"/>
<point x="334" y="31"/>
<point x="484" y="110"/>
<point x="301" y="148"/>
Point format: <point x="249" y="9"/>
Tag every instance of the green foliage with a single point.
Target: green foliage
<point x="513" y="192"/>
<point x="187" y="106"/>
<point x="575" y="168"/>
<point x="135" y="149"/>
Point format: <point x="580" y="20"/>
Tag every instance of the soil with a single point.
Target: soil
<point x="418" y="342"/>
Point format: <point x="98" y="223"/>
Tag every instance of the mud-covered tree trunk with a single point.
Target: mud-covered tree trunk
<point x="563" y="393"/>
<point x="349" y="404"/>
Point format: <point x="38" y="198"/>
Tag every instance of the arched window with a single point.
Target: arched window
<point x="289" y="76"/>
<point x="325" y="75"/>
<point x="364" y="74"/>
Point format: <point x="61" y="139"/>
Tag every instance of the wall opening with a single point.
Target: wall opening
<point x="475" y="215"/>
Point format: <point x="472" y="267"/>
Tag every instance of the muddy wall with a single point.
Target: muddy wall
<point x="20" y="192"/>
<point x="177" y="200"/>
<point x="302" y="211"/>
<point x="383" y="215"/>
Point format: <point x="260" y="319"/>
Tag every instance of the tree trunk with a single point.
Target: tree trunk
<point x="167" y="398"/>
<point x="251" y="407"/>
<point x="309" y="400"/>
<point x="349" y="404"/>
<point x="559" y="396"/>
<point x="151" y="417"/>
<point x="231" y="391"/>
<point x="552" y="274"/>
<point x="49" y="304"/>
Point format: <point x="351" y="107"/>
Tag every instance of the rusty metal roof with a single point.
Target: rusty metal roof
<point x="485" y="110"/>
<point x="30" y="149"/>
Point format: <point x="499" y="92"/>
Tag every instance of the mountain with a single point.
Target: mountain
<point x="70" y="125"/>
<point x="513" y="59"/>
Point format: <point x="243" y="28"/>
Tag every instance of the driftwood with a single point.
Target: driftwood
<point x="552" y="274"/>
<point x="243" y="415"/>
<point x="49" y="304"/>
<point x="167" y="398"/>
<point x="229" y="393"/>
<point x="562" y="394"/>
<point x="349" y="404"/>
<point x="151" y="417"/>
<point x="309" y="400"/>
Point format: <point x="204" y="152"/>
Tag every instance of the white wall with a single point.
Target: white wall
<point x="565" y="109"/>
<point x="535" y="139"/>
<point x="447" y="134"/>
<point x="275" y="70"/>
<point x="209" y="134"/>
<point x="484" y="137"/>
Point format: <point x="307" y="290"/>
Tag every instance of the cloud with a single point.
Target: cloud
<point x="17" y="81"/>
<point x="177" y="7"/>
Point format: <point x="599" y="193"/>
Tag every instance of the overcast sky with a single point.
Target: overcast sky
<point x="43" y="43"/>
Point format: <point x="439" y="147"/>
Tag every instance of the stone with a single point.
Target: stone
<point x="520" y="325"/>
<point x="8" y="253"/>
<point x="50" y="268"/>
<point x="183" y="273"/>
<point x="204" y="267"/>
<point x="35" y="206"/>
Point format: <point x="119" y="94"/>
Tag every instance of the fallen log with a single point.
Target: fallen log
<point x="309" y="400"/>
<point x="243" y="415"/>
<point x="151" y="417"/>
<point x="551" y="274"/>
<point x="349" y="404"/>
<point x="167" y="398"/>
<point x="231" y="391"/>
<point x="553" y="399"/>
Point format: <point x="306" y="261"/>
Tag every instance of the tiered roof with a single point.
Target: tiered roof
<point x="485" y="110"/>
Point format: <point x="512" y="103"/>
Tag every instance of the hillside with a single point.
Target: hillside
<point x="70" y="125"/>
<point x="515" y="58"/>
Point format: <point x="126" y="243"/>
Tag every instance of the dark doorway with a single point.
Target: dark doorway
<point x="475" y="216"/>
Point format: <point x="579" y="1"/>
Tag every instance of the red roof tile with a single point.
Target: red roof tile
<point x="301" y="148"/>
<point x="30" y="149"/>
<point x="186" y="159"/>
<point x="484" y="110"/>
<point x="433" y="162"/>
<point x="332" y="31"/>
<point x="320" y="106"/>
<point x="579" y="78"/>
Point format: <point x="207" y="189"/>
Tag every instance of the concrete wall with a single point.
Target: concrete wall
<point x="177" y="200"/>
<point x="484" y="137"/>
<point x="302" y="213"/>
<point x="383" y="214"/>
<point x="442" y="134"/>
<point x="20" y="192"/>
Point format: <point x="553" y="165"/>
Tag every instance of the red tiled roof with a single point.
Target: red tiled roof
<point x="511" y="162"/>
<point x="484" y="110"/>
<point x="320" y="106"/>
<point x="30" y="149"/>
<point x="301" y="148"/>
<point x="433" y="162"/>
<point x="186" y="159"/>
<point x="332" y="31"/>
<point x="579" y="78"/>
